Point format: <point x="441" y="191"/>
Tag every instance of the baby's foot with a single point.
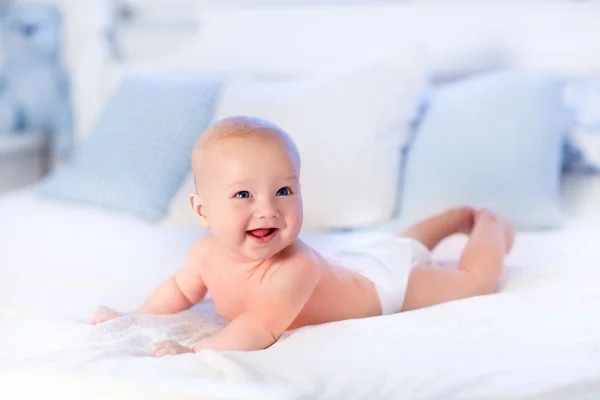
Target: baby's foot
<point x="464" y="218"/>
<point x="104" y="314"/>
<point x="509" y="233"/>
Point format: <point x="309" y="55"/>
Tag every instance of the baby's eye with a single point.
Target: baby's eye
<point x="284" y="191"/>
<point x="243" y="194"/>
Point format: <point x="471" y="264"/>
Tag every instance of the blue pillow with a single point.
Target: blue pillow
<point x="138" y="152"/>
<point x="495" y="141"/>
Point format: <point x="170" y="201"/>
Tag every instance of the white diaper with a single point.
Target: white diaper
<point x="387" y="262"/>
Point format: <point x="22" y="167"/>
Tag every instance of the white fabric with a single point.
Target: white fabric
<point x="386" y="261"/>
<point x="349" y="124"/>
<point x="535" y="339"/>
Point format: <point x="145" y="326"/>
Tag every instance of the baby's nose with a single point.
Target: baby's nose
<point x="266" y="209"/>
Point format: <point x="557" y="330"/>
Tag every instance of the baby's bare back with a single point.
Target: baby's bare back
<point x="338" y="294"/>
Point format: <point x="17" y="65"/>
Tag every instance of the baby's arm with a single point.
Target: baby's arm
<point x="177" y="293"/>
<point x="284" y="295"/>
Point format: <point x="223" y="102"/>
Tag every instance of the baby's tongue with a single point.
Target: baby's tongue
<point x="260" y="232"/>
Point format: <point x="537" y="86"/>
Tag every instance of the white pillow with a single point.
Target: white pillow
<point x="349" y="124"/>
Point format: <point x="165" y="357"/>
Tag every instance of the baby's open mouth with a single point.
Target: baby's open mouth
<point x="262" y="235"/>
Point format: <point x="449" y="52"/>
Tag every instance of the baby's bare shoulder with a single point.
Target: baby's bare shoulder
<point x="298" y="261"/>
<point x="199" y="252"/>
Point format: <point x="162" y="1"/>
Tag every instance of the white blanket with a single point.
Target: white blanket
<point x="538" y="338"/>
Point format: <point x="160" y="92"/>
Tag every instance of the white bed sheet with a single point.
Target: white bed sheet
<point x="539" y="338"/>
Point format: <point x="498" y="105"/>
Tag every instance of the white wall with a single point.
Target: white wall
<point x="462" y="37"/>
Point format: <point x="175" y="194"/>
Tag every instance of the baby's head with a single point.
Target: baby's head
<point x="246" y="172"/>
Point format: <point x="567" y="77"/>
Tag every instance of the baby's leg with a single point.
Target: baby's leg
<point x="478" y="269"/>
<point x="433" y="230"/>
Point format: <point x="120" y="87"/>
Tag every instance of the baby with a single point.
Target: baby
<point x="265" y="281"/>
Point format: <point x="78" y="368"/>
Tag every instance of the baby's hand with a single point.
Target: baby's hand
<point x="104" y="314"/>
<point x="168" y="347"/>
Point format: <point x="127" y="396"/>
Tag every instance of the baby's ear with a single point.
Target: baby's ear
<point x="196" y="204"/>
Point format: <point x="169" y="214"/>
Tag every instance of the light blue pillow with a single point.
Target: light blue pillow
<point x="138" y="152"/>
<point x="495" y="141"/>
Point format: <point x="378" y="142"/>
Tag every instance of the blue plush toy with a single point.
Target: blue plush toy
<point x="34" y="88"/>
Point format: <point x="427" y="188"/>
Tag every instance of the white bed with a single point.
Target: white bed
<point x="538" y="338"/>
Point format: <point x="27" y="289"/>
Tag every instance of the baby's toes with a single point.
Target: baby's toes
<point x="510" y="237"/>
<point x="491" y="217"/>
<point x="465" y="219"/>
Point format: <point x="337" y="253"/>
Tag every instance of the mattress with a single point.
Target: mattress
<point x="538" y="338"/>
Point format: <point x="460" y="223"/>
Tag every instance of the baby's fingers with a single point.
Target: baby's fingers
<point x="104" y="314"/>
<point x="167" y="347"/>
<point x="162" y="349"/>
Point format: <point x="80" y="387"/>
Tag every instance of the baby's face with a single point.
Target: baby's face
<point x="253" y="203"/>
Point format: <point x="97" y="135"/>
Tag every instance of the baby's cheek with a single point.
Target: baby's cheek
<point x="235" y="220"/>
<point x="229" y="222"/>
<point x="296" y="223"/>
<point x="300" y="212"/>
